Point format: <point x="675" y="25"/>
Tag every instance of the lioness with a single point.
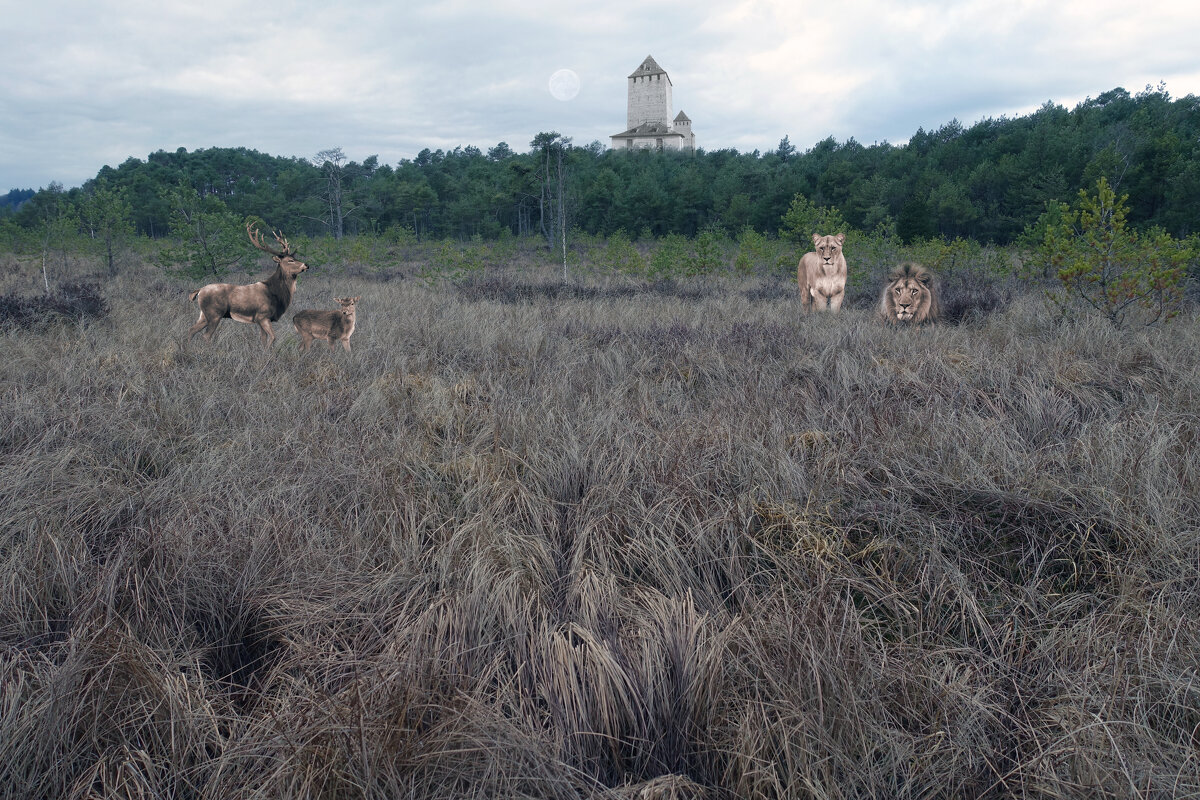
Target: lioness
<point x="910" y="296"/>
<point x="822" y="274"/>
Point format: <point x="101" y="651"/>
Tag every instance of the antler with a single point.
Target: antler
<point x="287" y="248"/>
<point x="256" y="240"/>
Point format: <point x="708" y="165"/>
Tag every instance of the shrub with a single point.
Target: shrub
<point x="970" y="296"/>
<point x="73" y="302"/>
<point x="1107" y="268"/>
<point x="400" y="235"/>
<point x="804" y="218"/>
<point x="707" y="255"/>
<point x="454" y="262"/>
<point x="670" y="258"/>
<point x="751" y="246"/>
<point x="620" y="255"/>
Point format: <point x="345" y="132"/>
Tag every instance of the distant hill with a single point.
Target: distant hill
<point x="15" y="198"/>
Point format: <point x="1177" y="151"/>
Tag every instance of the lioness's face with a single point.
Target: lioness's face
<point x="907" y="295"/>
<point x="828" y="247"/>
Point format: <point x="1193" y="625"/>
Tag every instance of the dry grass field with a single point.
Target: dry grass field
<point x="620" y="541"/>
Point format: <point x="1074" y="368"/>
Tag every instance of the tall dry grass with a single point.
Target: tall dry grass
<point x="613" y="541"/>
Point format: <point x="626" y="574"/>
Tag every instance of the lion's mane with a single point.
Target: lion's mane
<point x="910" y="296"/>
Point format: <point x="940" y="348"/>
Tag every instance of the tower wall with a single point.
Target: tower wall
<point x="649" y="99"/>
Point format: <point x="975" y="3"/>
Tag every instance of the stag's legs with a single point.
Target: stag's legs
<point x="268" y="335"/>
<point x="346" y="344"/>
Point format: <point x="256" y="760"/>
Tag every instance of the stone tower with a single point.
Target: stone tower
<point x="649" y="95"/>
<point x="649" y="121"/>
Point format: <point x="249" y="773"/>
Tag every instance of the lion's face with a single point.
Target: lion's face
<point x="910" y="296"/>
<point x="828" y="248"/>
<point x="906" y="296"/>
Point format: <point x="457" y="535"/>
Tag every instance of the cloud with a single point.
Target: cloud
<point x="94" y="84"/>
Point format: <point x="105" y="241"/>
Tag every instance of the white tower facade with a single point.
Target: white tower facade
<point x="649" y="95"/>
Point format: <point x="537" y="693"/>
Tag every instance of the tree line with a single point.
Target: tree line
<point x="988" y="182"/>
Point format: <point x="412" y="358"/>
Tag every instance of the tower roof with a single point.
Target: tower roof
<point x="649" y="67"/>
<point x="682" y="117"/>
<point x="647" y="129"/>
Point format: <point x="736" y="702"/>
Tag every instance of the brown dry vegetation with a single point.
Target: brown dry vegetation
<point x="609" y="542"/>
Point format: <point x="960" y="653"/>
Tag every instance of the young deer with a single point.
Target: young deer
<point x="335" y="326"/>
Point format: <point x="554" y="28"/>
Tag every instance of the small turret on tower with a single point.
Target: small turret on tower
<point x="683" y="125"/>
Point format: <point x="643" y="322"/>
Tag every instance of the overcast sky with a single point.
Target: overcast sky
<point x="95" y="82"/>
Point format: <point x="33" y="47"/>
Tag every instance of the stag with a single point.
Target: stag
<point x="333" y="326"/>
<point x="258" y="303"/>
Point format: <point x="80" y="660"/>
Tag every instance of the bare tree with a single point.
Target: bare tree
<point x="337" y="172"/>
<point x="552" y="204"/>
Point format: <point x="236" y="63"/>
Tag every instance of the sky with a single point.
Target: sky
<point x="90" y="83"/>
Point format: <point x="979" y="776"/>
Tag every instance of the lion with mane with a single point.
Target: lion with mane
<point x="821" y="275"/>
<point x="910" y="296"/>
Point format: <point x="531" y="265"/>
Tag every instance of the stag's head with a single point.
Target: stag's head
<point x="285" y="257"/>
<point x="347" y="305"/>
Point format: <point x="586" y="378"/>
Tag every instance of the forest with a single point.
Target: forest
<point x="988" y="182"/>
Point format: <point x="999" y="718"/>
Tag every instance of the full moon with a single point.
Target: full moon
<point x="564" y="84"/>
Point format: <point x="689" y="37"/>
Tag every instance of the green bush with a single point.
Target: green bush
<point x="454" y="261"/>
<point x="1106" y="268"/>
<point x="671" y="258"/>
<point x="803" y="218"/>
<point x="707" y="252"/>
<point x="620" y="255"/>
